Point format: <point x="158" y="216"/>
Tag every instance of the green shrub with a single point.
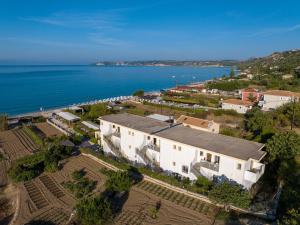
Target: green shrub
<point x="28" y="167"/>
<point x="228" y="193"/>
<point x="33" y="135"/>
<point x="94" y="211"/>
<point x="203" y="185"/>
<point x="80" y="186"/>
<point x="119" y="181"/>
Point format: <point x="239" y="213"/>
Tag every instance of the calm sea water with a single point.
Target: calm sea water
<point x="27" y="88"/>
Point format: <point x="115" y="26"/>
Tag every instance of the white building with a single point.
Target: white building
<point x="275" y="98"/>
<point x="183" y="150"/>
<point x="237" y="104"/>
<point x="199" y="124"/>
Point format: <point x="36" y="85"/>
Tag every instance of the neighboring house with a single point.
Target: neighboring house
<point x="273" y="99"/>
<point x="199" y="124"/>
<point x="237" y="104"/>
<point x="287" y="76"/>
<point x="250" y="94"/>
<point x="183" y="150"/>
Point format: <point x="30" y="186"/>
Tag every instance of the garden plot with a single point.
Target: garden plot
<point x="48" y="130"/>
<point x="13" y="146"/>
<point x="138" y="210"/>
<point x="178" y="198"/>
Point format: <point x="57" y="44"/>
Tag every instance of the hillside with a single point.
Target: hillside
<point x="287" y="62"/>
<point x="169" y="63"/>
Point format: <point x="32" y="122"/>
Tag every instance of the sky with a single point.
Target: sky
<point x="83" y="32"/>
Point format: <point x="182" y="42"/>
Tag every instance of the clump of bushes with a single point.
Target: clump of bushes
<point x="228" y="193"/>
<point x="96" y="211"/>
<point x="81" y="185"/>
<point x="28" y="167"/>
<point x="119" y="181"/>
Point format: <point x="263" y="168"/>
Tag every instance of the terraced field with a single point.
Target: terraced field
<point x="3" y="172"/>
<point x="25" y="140"/>
<point x="51" y="185"/>
<point x="178" y="198"/>
<point x="36" y="195"/>
<point x="12" y="145"/>
<point x="53" y="215"/>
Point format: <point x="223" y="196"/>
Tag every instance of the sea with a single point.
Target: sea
<point x="25" y="89"/>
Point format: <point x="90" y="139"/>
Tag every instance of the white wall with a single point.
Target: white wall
<point x="183" y="155"/>
<point x="239" y="108"/>
<point x="273" y="101"/>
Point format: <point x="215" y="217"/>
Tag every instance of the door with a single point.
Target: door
<point x="208" y="157"/>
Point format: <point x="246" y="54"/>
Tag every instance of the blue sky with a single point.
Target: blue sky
<point x="80" y="32"/>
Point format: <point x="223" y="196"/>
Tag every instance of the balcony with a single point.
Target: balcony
<point x="252" y="175"/>
<point x="153" y="147"/>
<point x="116" y="134"/>
<point x="209" y="165"/>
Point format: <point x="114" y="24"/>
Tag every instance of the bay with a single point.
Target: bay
<point x="25" y="89"/>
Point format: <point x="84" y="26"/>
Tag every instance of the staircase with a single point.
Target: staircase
<point x="112" y="147"/>
<point x="195" y="169"/>
<point x="143" y="154"/>
<point x="148" y="160"/>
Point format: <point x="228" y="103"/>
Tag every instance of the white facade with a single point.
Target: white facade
<point x="186" y="160"/>
<point x="274" y="101"/>
<point x="239" y="108"/>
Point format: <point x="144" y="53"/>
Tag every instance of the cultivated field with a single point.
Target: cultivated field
<point x="16" y="144"/>
<point x="48" y="130"/>
<point x="45" y="198"/>
<point x="175" y="208"/>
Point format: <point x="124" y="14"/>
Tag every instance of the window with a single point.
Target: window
<point x="132" y="133"/>
<point x="101" y="123"/>
<point x="129" y="132"/>
<point x="148" y="137"/>
<point x="217" y="159"/>
<point x="201" y="153"/>
<point x="114" y="126"/>
<point x="129" y="146"/>
<point x="239" y="166"/>
<point x="174" y="147"/>
<point x="174" y="163"/>
<point x="185" y="169"/>
<point x="179" y="148"/>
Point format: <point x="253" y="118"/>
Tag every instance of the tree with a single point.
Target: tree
<point x="251" y="98"/>
<point x="203" y="184"/>
<point x="139" y="93"/>
<point x="94" y="211"/>
<point x="231" y="74"/>
<point x="283" y="146"/>
<point x="228" y="193"/>
<point x="119" y="181"/>
<point x="97" y="110"/>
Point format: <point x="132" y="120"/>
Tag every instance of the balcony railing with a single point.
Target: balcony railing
<point x="117" y="134"/>
<point x="115" y="149"/>
<point x="153" y="147"/>
<point x="209" y="165"/>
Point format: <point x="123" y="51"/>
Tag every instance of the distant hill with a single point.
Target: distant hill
<point x="279" y="62"/>
<point x="168" y="63"/>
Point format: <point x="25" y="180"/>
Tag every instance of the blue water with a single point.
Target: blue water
<point x="27" y="88"/>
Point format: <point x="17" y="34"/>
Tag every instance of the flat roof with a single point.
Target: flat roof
<point x="160" y="117"/>
<point x="235" y="101"/>
<point x="226" y="145"/>
<point x="282" y="93"/>
<point x="140" y="123"/>
<point x="194" y="121"/>
<point x="91" y="125"/>
<point x="68" y="116"/>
